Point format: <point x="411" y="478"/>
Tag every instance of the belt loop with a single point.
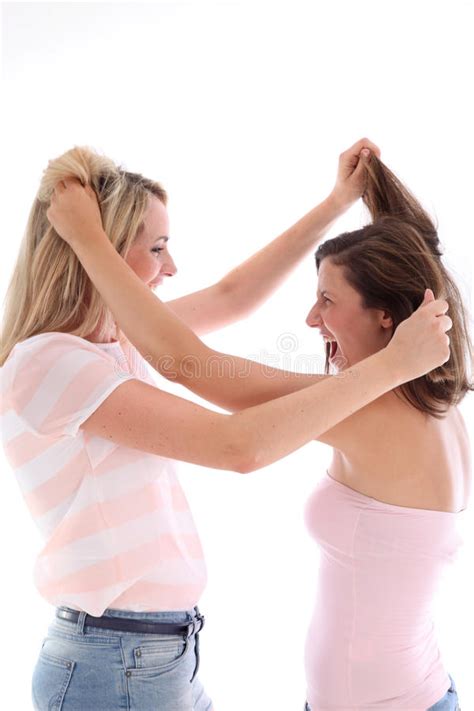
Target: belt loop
<point x="80" y="622"/>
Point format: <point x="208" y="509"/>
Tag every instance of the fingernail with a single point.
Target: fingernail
<point x="365" y="152"/>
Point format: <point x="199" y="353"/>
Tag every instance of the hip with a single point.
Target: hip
<point x="449" y="702"/>
<point x="82" y="666"/>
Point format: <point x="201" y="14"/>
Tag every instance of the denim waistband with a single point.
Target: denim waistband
<point x="153" y="616"/>
<point x="171" y="616"/>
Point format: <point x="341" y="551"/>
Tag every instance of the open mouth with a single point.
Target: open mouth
<point x="331" y="349"/>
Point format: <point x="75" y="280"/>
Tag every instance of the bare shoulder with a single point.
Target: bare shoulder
<point x="370" y="421"/>
<point x="460" y="423"/>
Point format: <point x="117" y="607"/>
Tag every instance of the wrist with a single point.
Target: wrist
<point x="393" y="362"/>
<point x="338" y="203"/>
<point x="84" y="243"/>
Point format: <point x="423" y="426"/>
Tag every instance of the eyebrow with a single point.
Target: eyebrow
<point x="324" y="291"/>
<point x="165" y="237"/>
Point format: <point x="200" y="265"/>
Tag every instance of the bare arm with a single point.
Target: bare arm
<point x="418" y="345"/>
<point x="171" y="347"/>
<point x="235" y="383"/>
<point x="141" y="416"/>
<point x="249" y="285"/>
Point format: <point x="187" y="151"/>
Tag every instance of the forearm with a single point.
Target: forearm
<point x="160" y="336"/>
<point x="170" y="346"/>
<point x="274" y="429"/>
<point x="253" y="281"/>
<point x="235" y="383"/>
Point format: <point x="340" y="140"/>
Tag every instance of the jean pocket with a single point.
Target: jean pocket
<point x="51" y="677"/>
<point x="163" y="654"/>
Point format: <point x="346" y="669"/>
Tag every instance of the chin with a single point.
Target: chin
<point x="340" y="361"/>
<point x="350" y="361"/>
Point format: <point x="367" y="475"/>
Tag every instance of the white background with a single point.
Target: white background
<point x="241" y="111"/>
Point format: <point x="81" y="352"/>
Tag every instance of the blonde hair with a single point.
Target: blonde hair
<point x="49" y="289"/>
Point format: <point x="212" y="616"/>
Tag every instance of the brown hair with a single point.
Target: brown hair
<point x="391" y="262"/>
<point x="49" y="289"/>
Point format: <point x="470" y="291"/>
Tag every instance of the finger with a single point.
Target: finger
<point x="429" y="296"/>
<point x="363" y="143"/>
<point x="60" y="186"/>
<point x="442" y="306"/>
<point x="71" y="180"/>
<point x="446" y="323"/>
<point x="360" y="171"/>
<point x="437" y="307"/>
<point x="372" y="148"/>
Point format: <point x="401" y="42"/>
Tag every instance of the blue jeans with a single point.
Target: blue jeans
<point x="81" y="668"/>
<point x="449" y="702"/>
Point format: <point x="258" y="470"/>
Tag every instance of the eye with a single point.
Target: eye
<point x="157" y="250"/>
<point x="325" y="298"/>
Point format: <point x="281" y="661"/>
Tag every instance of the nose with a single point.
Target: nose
<point x="169" y="268"/>
<point x="313" y="319"/>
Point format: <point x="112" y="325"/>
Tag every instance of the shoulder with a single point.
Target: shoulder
<point x="50" y="345"/>
<point x="53" y="380"/>
<point x="54" y="357"/>
<point x="373" y="420"/>
<point x="57" y="338"/>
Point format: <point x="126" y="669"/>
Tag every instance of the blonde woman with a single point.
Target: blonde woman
<point x="92" y="439"/>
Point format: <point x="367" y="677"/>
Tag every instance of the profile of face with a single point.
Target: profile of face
<point x="149" y="256"/>
<point x="356" y="332"/>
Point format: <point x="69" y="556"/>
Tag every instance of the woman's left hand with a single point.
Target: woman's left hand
<point x="74" y="211"/>
<point x="351" y="180"/>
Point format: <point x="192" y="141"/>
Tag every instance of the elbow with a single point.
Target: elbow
<point x="236" y="297"/>
<point x="248" y="457"/>
<point x="245" y="466"/>
<point x="240" y="453"/>
<point x="253" y="462"/>
<point x="240" y="461"/>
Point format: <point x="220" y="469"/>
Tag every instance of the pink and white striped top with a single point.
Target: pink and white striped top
<point x="116" y="525"/>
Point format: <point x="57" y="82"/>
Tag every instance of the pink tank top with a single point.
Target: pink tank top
<point x="371" y="643"/>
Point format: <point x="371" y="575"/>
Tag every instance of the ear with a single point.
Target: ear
<point x="386" y="320"/>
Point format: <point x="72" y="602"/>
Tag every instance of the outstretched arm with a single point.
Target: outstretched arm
<point x="174" y="350"/>
<point x="166" y="342"/>
<point x="250" y="284"/>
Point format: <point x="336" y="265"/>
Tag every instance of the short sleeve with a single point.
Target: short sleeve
<point x="60" y="380"/>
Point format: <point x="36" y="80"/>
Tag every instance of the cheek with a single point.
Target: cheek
<point x="346" y="326"/>
<point x="336" y="321"/>
<point x="146" y="266"/>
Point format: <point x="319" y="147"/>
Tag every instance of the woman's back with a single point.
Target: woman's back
<point x="402" y="456"/>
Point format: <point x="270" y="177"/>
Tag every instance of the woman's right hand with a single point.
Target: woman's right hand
<point x="74" y="211"/>
<point x="420" y="343"/>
